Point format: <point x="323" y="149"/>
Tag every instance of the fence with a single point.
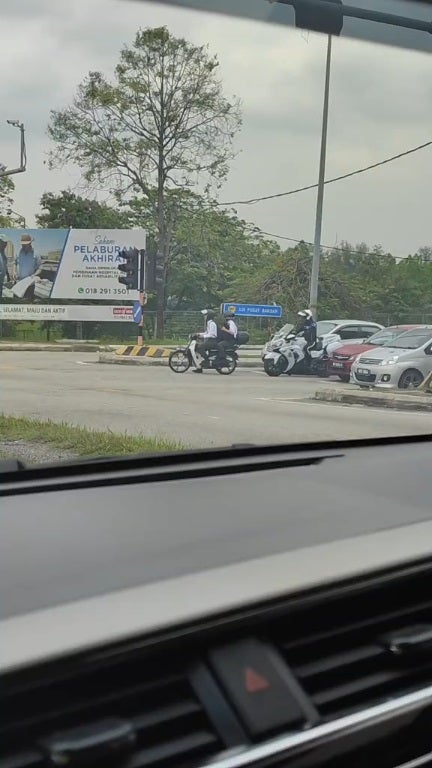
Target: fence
<point x="178" y="325"/>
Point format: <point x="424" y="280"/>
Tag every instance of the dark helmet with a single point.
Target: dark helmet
<point x="230" y="315"/>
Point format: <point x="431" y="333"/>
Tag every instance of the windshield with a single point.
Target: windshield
<point x="382" y="337"/>
<point x="410" y="340"/>
<point x="164" y="211"/>
<point x="324" y="327"/>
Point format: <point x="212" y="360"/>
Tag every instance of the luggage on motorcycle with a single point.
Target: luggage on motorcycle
<point x="242" y="338"/>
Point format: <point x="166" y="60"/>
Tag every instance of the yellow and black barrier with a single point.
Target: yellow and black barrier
<point x="133" y="350"/>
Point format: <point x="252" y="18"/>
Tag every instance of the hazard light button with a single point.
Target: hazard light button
<point x="259" y="686"/>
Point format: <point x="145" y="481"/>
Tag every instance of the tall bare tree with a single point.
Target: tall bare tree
<point x="162" y="124"/>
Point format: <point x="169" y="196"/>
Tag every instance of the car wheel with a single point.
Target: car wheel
<point x="344" y="377"/>
<point x="410" y="379"/>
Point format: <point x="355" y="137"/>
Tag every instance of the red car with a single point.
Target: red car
<point x="340" y="361"/>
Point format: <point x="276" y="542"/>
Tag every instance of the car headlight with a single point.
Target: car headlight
<point x="391" y="361"/>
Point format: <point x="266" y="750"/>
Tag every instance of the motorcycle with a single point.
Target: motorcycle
<point x="288" y="356"/>
<point x="181" y="359"/>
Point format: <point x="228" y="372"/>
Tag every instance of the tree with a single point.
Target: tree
<point x="7" y="188"/>
<point x="161" y="125"/>
<point x="69" y="210"/>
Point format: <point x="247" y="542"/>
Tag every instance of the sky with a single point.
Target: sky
<point x="380" y="105"/>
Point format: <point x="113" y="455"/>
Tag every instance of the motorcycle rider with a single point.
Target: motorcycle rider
<point x="308" y="327"/>
<point x="229" y="332"/>
<point x="209" y="339"/>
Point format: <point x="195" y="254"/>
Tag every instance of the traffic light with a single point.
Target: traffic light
<point x="159" y="270"/>
<point x="155" y="271"/>
<point x="129" y="268"/>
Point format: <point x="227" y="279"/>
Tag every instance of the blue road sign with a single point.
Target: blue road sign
<point x="253" y="310"/>
<point x="137" y="312"/>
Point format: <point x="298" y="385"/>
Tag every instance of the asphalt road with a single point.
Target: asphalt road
<point x="198" y="410"/>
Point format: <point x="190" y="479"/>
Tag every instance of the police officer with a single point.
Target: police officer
<point x="308" y="327"/>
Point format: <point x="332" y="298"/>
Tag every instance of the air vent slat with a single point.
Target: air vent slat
<point x="336" y="648"/>
<point x="176" y="751"/>
<point x="159" y="716"/>
<point x="338" y="661"/>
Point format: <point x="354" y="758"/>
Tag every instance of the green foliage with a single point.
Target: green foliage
<point x="69" y="210"/>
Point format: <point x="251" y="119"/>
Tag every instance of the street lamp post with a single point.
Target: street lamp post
<point x="313" y="295"/>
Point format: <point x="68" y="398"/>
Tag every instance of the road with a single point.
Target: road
<point x="207" y="410"/>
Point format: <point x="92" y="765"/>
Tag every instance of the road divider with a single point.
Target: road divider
<point x="133" y="350"/>
<point x="399" y="400"/>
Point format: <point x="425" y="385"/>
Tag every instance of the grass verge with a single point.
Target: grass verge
<point x="79" y="440"/>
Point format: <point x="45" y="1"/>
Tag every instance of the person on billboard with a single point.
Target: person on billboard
<point x="27" y="261"/>
<point x="4" y="270"/>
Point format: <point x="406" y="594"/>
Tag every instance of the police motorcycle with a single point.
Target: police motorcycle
<point x="183" y="358"/>
<point x="290" y="355"/>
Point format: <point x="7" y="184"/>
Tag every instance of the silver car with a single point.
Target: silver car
<point x="401" y="363"/>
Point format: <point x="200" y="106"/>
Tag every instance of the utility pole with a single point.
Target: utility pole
<point x="313" y="295"/>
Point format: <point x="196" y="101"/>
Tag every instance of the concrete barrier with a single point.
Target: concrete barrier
<point x="398" y="400"/>
<point x="133" y="350"/>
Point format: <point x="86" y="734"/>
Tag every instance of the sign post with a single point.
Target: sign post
<point x="252" y="310"/>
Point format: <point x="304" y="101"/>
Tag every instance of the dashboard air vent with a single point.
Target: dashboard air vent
<point x="157" y="707"/>
<point x="362" y="647"/>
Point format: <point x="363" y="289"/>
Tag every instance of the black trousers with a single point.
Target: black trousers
<point x="205" y="346"/>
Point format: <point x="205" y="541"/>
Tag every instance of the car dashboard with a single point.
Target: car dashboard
<point x="228" y="608"/>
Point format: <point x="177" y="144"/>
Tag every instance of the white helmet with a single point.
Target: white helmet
<point x="305" y="313"/>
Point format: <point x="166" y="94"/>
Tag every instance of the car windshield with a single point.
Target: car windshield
<point x="324" y="326"/>
<point x="382" y="337"/>
<point x="410" y="340"/>
<point x="164" y="212"/>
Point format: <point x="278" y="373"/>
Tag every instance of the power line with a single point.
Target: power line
<point x="331" y="247"/>
<point x="254" y="200"/>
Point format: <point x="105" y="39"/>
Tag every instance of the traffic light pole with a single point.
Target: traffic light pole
<point x="142" y="296"/>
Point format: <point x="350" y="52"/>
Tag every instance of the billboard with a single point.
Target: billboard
<point x="80" y="264"/>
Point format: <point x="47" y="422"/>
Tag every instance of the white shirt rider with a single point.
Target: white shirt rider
<point x="211" y="330"/>
<point x="232" y="328"/>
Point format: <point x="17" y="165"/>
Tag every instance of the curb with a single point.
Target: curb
<point x="50" y="348"/>
<point x="114" y="359"/>
<point x="396" y="400"/>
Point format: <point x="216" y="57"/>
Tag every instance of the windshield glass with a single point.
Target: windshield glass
<point x="324" y="327"/>
<point x="410" y="340"/>
<point x="382" y="337"/>
<point x="164" y="211"/>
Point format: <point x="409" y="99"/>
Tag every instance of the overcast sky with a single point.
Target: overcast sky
<point x="381" y="104"/>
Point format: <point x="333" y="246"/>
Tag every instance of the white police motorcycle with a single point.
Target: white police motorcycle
<point x="288" y="355"/>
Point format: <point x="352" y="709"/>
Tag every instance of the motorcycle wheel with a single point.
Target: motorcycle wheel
<point x="231" y="365"/>
<point x="179" y="361"/>
<point x="276" y="369"/>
